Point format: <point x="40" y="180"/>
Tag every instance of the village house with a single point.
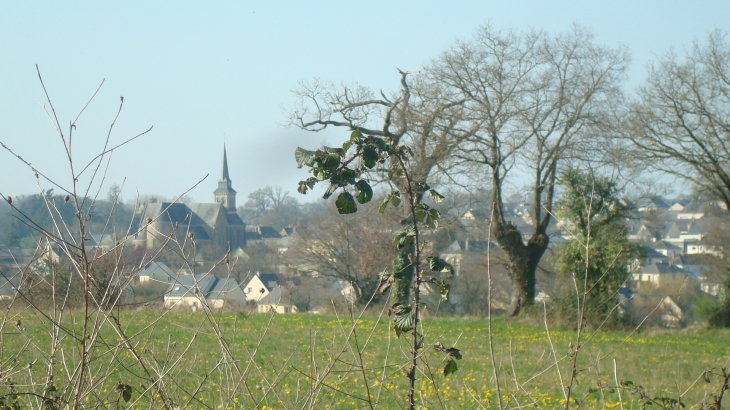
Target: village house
<point x="659" y="273"/>
<point x="156" y="272"/>
<point x="259" y="285"/>
<point x="197" y="291"/>
<point x="278" y="300"/>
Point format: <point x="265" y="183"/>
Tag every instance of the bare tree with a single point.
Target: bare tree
<point x="353" y="248"/>
<point x="270" y="206"/>
<point x="681" y="121"/>
<point x="535" y="98"/>
<point x="422" y="116"/>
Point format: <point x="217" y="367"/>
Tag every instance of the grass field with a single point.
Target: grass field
<point x="305" y="361"/>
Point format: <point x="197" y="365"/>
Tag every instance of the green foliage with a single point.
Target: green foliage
<point x="342" y="172"/>
<point x="599" y="252"/>
<point x="348" y="173"/>
<point x="402" y="276"/>
<point x="403" y="318"/>
<point x="451" y="355"/>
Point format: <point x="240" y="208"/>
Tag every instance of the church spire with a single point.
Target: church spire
<point x="225" y="194"/>
<point x="224" y="176"/>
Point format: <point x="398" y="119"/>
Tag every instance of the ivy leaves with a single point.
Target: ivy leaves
<point x="343" y="171"/>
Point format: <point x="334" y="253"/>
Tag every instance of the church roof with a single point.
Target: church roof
<point x="207" y="212"/>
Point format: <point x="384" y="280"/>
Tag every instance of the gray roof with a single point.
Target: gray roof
<point x="211" y="287"/>
<point x="662" y="268"/>
<point x="194" y="214"/>
<point x="185" y="285"/>
<point x="278" y="296"/>
<point x="270" y="280"/>
<point x="157" y="270"/>
<point x="665" y="245"/>
<point x="221" y="287"/>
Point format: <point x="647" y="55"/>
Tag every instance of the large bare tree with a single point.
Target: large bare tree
<point x="681" y="123"/>
<point x="535" y="98"/>
<point x="354" y="248"/>
<point x="421" y="115"/>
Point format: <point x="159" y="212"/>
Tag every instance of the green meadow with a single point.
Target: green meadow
<point x="308" y="361"/>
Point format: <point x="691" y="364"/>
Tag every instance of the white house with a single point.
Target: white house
<point x="260" y="285"/>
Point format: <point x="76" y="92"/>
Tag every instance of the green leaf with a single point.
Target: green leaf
<point x="382" y="206"/>
<point x="346" y="204"/>
<point x="355" y="135"/>
<point x="303" y="157"/>
<point x="404" y="237"/>
<point x="395" y="200"/>
<point x="346" y="146"/>
<point x="330" y="160"/>
<point x="369" y="156"/>
<point x="450" y="367"/>
<point x="453" y="352"/>
<point x="422" y="187"/>
<point x="364" y="191"/>
<point x="403" y="320"/>
<point x="439" y="265"/>
<point x="303" y="188"/>
<point x="444" y="290"/>
<point x="437" y="198"/>
<point x="330" y="190"/>
<point x="125" y="390"/>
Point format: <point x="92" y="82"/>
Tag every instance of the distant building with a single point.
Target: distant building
<point x="209" y="223"/>
<point x="660" y="273"/>
<point x="279" y="300"/>
<point x="260" y="285"/>
<point x="195" y="291"/>
<point x="156" y="272"/>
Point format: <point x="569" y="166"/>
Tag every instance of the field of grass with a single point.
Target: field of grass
<point x="307" y="361"/>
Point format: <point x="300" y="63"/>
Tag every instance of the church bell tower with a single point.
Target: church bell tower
<point x="224" y="193"/>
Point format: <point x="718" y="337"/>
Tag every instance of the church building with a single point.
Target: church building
<point x="212" y="224"/>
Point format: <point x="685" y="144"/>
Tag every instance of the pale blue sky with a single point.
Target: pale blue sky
<point x="200" y="70"/>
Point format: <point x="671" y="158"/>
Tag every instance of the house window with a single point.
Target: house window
<point x="248" y="290"/>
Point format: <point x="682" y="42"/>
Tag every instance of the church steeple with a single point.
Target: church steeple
<point x="225" y="194"/>
<point x="224" y="176"/>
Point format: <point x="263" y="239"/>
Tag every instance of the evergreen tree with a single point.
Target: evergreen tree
<point x="599" y="253"/>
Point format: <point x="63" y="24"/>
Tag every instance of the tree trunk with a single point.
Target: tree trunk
<point x="523" y="262"/>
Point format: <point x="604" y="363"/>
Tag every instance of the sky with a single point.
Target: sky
<point x="207" y="73"/>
